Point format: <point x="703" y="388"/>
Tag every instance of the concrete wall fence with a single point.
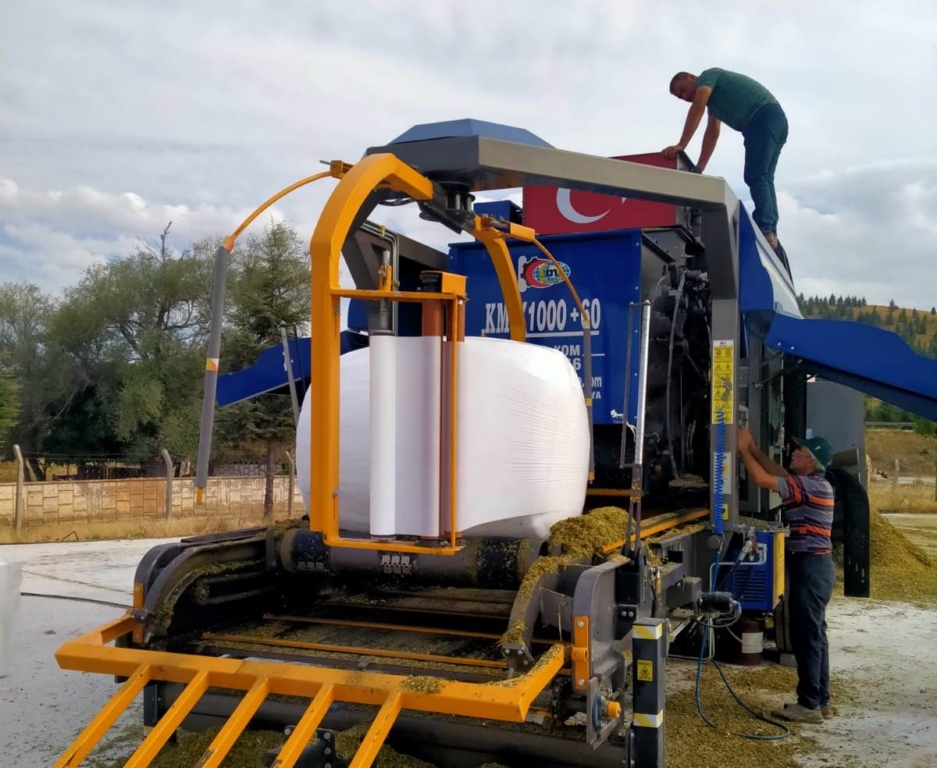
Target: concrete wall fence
<point x="141" y="498"/>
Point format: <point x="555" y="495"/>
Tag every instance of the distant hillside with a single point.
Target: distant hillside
<point x="916" y="326"/>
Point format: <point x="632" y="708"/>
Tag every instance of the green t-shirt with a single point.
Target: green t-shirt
<point x="735" y="98"/>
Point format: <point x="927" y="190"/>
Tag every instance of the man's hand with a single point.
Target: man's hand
<point x="672" y="151"/>
<point x="745" y="441"/>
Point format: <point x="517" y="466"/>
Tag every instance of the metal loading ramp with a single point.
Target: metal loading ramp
<point x="507" y="701"/>
<point x="872" y="360"/>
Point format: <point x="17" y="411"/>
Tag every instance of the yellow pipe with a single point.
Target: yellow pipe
<point x="230" y="239"/>
<point x="325" y="248"/>
<point x="497" y="249"/>
<point x="560" y="271"/>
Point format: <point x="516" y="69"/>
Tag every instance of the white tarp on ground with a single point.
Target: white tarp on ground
<point x="522" y="438"/>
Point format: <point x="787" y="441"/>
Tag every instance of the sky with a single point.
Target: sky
<point x="117" y="118"/>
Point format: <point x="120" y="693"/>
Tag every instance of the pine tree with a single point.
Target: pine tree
<point x="890" y="316"/>
<point x="892" y="305"/>
<point x="933" y="310"/>
<point x="832" y="299"/>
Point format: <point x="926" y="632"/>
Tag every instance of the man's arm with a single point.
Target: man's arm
<point x="693" y="118"/>
<point x="709" y="143"/>
<point x="762" y="478"/>
<point x="771" y="467"/>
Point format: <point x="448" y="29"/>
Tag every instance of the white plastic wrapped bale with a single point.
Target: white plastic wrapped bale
<point x="522" y="438"/>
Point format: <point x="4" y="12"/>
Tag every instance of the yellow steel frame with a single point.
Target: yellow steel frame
<point x="93" y="653"/>
<point x="382" y="171"/>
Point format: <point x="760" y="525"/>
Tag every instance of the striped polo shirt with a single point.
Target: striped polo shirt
<point x="808" y="512"/>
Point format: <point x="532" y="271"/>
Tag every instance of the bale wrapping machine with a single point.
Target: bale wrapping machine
<point x="461" y="650"/>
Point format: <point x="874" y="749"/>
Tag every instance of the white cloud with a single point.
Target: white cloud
<point x="869" y="231"/>
<point x="196" y="112"/>
<point x="50" y="237"/>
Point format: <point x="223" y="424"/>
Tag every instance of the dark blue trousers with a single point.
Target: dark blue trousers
<point x="811" y="586"/>
<point x="764" y="137"/>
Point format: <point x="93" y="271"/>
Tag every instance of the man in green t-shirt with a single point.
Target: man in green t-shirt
<point x="748" y="107"/>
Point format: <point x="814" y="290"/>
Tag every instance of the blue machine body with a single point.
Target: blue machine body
<point x="604" y="267"/>
<point x="753" y="583"/>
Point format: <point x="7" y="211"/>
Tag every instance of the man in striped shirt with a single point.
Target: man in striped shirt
<point x="808" y="500"/>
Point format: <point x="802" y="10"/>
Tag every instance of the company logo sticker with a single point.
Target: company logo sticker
<point x="539" y="273"/>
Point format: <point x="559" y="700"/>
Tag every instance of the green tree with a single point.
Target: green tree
<point x="24" y="316"/>
<point x="933" y="310"/>
<point x="269" y="287"/>
<point x="892" y="305"/>
<point x="9" y="402"/>
<point x="129" y="338"/>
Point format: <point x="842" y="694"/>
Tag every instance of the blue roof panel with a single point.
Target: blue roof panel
<point x="450" y="129"/>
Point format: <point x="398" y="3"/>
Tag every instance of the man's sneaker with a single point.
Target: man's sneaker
<point x="828" y="711"/>
<point x="796" y="713"/>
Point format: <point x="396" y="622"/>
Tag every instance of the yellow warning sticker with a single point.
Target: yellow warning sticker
<point x="646" y="671"/>
<point x="723" y="380"/>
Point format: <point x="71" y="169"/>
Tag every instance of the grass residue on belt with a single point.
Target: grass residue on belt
<point x="586" y="534"/>
<point x="900" y="570"/>
<point x="423" y="684"/>
<point x="347" y="743"/>
<point x="548" y="656"/>
<point x="249" y="751"/>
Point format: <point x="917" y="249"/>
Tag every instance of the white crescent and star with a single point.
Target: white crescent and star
<point x="564" y="205"/>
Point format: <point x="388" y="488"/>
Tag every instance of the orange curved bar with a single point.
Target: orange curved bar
<point x="325" y="248"/>
<point x="507" y="278"/>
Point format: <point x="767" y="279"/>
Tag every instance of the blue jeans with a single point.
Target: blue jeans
<point x="764" y="137"/>
<point x="811" y="586"/>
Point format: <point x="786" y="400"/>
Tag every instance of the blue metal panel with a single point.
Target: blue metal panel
<point x="764" y="284"/>
<point x="751" y="582"/>
<point x="605" y="269"/>
<point x="449" y="129"/>
<point x="357" y="315"/>
<point x="860" y="356"/>
<point x="268" y="373"/>
<point x="500" y="209"/>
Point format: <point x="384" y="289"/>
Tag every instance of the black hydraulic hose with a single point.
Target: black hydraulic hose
<point x="76" y="599"/>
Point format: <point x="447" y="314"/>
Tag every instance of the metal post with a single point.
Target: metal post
<point x="288" y="363"/>
<point x="894" y="480"/>
<point x="648" y="646"/>
<point x="19" y="505"/>
<point x="628" y="375"/>
<point x="724" y="404"/>
<point x="169" y="473"/>
<point x="637" y="472"/>
<point x="587" y="388"/>
<point x="211" y="371"/>
<point x="289" y="499"/>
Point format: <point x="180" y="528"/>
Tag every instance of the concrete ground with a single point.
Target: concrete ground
<point x="887" y="649"/>
<point x="42" y="708"/>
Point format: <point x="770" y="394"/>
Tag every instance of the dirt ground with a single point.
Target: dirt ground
<point x="884" y="670"/>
